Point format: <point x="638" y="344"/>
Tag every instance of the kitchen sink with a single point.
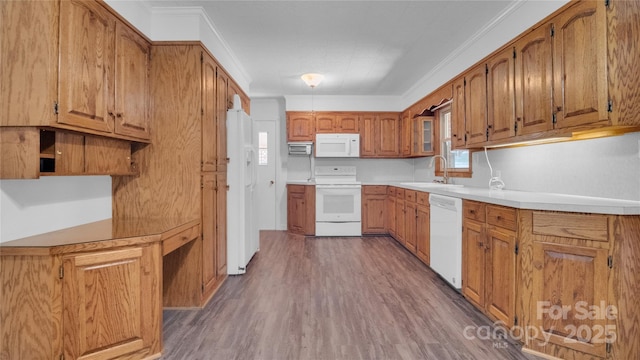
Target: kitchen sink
<point x="431" y="185"/>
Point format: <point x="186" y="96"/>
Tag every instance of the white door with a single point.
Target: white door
<point x="265" y="140"/>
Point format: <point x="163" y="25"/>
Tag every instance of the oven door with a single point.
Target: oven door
<point x="338" y="203"/>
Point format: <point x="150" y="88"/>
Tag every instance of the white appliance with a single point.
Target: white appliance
<point x="338" y="201"/>
<point x="300" y="148"/>
<point x="242" y="226"/>
<point x="337" y="145"/>
<point x="446" y="238"/>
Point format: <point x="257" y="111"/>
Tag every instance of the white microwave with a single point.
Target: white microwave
<point x="337" y="145"/>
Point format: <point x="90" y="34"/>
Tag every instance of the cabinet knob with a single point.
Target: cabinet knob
<point x="558" y="108"/>
<point x="119" y="115"/>
<point x="111" y="113"/>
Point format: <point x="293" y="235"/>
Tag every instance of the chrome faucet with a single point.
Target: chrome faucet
<point x="445" y="178"/>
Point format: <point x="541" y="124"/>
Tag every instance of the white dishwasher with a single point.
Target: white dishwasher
<point x="446" y="238"/>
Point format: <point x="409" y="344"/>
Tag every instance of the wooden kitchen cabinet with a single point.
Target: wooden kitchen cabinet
<point x="423" y="136"/>
<point x="410" y="220"/>
<point x="112" y="96"/>
<point x="209" y="232"/>
<point x="301" y="209"/>
<point x="475" y="98"/>
<point x="400" y="216"/>
<point x="501" y="119"/>
<point x="82" y="305"/>
<point x="374" y="214"/>
<point x="337" y="123"/>
<point x="423" y="229"/>
<point x="380" y="135"/>
<point x="489" y="251"/>
<point x="347" y="123"/>
<point x="221" y="225"/>
<point x="533" y="88"/>
<point x="325" y="123"/>
<point x="300" y="126"/>
<point x="209" y="115"/>
<point x="392" y="221"/>
<point x="458" y="116"/>
<point x="580" y="65"/>
<point x="407" y="142"/>
<point x="222" y="82"/>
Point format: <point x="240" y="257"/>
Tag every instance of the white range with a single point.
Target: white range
<point x="338" y="201"/>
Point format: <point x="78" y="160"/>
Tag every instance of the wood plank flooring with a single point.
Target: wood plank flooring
<point x="333" y="298"/>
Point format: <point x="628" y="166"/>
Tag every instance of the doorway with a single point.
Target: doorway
<point x="265" y="140"/>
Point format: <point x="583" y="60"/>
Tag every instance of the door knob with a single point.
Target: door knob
<point x="272" y="182"/>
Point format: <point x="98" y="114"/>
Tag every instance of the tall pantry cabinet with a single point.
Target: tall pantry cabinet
<point x="183" y="171"/>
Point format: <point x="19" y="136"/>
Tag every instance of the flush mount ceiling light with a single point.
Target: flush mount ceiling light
<point x="312" y="80"/>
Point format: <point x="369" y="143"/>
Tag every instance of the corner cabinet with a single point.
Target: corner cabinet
<point x="380" y="135"/>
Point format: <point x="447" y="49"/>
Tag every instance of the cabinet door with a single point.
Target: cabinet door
<point x="69" y="154"/>
<point x="132" y="86"/>
<point x="458" y="125"/>
<point x="501" y="101"/>
<point x="221" y="119"/>
<point x="534" y="82"/>
<point x="209" y="128"/>
<point x="296" y="206"/>
<point x="475" y="98"/>
<point x="300" y="127"/>
<point x="373" y="214"/>
<point x="348" y="124"/>
<point x="103" y="304"/>
<point x="580" y="65"/>
<point x="473" y="260"/>
<point x="368" y="137"/>
<point x="388" y="135"/>
<point x="500" y="274"/>
<point x="392" y="223"/>
<point x="325" y="123"/>
<point x="209" y="218"/>
<point x="423" y="136"/>
<point x="410" y="225"/>
<point x="221" y="223"/>
<point x="20" y="156"/>
<point x="423" y="232"/>
<point x="400" y="220"/>
<point x="86" y="66"/>
<point x="408" y="141"/>
<point x="567" y="280"/>
<point x="107" y="156"/>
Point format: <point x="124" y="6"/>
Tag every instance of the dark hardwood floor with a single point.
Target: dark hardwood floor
<point x="333" y="298"/>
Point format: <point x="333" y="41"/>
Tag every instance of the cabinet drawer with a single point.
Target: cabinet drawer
<point x="410" y="195"/>
<point x="576" y="226"/>
<point x="502" y="217"/>
<point x="298" y="189"/>
<point x="374" y="189"/>
<point x="422" y="198"/>
<point x="391" y="191"/>
<point x="172" y="243"/>
<point x="400" y="193"/>
<point x="473" y="210"/>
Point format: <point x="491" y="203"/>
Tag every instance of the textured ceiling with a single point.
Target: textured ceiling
<point x="362" y="47"/>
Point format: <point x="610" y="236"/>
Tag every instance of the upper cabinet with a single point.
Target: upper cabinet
<point x="86" y="69"/>
<point x="458" y="125"/>
<point x="333" y="123"/>
<point x="300" y="126"/>
<point x="380" y="135"/>
<point x="501" y="95"/>
<point x="580" y="65"/>
<point x="475" y="97"/>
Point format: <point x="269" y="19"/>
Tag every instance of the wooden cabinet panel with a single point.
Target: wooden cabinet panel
<point x="300" y="127"/>
<point x="533" y="71"/>
<point x="325" y="123"/>
<point x="107" y="156"/>
<point x="500" y="276"/>
<point x="580" y="65"/>
<point x="86" y="42"/>
<point x="400" y="218"/>
<point x="368" y="135"/>
<point x="69" y="154"/>
<point x="96" y="324"/>
<point x="392" y="221"/>
<point x="473" y="260"/>
<point x="501" y="95"/>
<point x="388" y="135"/>
<point x="301" y="209"/>
<point x="408" y="134"/>
<point x="423" y="136"/>
<point x="132" y="86"/>
<point x="565" y="275"/>
<point x="411" y="214"/>
<point x="475" y="97"/>
<point x="423" y="233"/>
<point x="209" y="114"/>
<point x="458" y="124"/>
<point x="221" y="224"/>
<point x="349" y="123"/>
<point x="209" y="221"/>
<point x="374" y="215"/>
<point x="19" y="153"/>
<point x="221" y="119"/>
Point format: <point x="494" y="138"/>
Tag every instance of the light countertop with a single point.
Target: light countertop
<point x="526" y="199"/>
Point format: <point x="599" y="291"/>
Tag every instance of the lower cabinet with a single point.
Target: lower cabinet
<point x="489" y="254"/>
<point x="374" y="214"/>
<point x="423" y="230"/>
<point x="392" y="223"/>
<point x="408" y="220"/>
<point x="400" y="216"/>
<point x="301" y="209"/>
<point x="88" y="305"/>
<point x="410" y="217"/>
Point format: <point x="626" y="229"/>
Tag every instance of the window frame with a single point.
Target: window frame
<point x="451" y="172"/>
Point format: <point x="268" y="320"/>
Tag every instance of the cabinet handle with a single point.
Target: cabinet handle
<point x="498" y="217"/>
<point x="119" y="115"/>
<point x="472" y="211"/>
<point x="58" y="152"/>
<point x="111" y="113"/>
<point x="559" y="108"/>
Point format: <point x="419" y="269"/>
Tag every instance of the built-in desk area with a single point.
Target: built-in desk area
<point x="96" y="290"/>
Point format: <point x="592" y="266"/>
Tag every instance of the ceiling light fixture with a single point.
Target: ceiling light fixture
<point x="312" y="80"/>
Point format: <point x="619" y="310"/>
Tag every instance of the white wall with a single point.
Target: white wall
<point x="607" y="167"/>
<point x="30" y="207"/>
